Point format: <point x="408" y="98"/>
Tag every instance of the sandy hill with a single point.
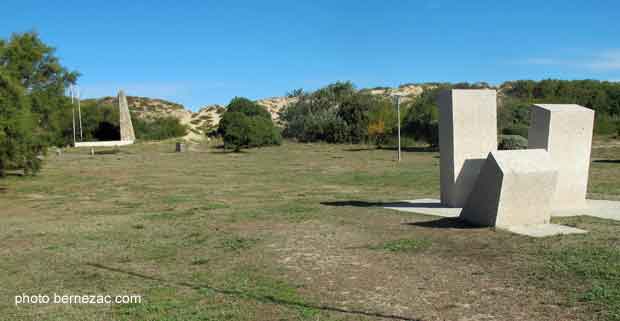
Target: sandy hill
<point x="207" y="118"/>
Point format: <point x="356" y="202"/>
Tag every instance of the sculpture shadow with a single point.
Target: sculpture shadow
<point x="607" y="161"/>
<point x="468" y="174"/>
<point x="444" y="223"/>
<point x="382" y="204"/>
<point x="250" y="295"/>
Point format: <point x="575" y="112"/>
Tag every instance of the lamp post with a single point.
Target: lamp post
<point x="397" y="98"/>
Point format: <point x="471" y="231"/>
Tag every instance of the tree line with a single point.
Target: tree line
<point x="339" y="113"/>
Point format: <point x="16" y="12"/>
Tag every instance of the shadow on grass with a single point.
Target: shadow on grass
<point x="110" y="152"/>
<point x="383" y="204"/>
<point x="607" y="161"/>
<point x="403" y="149"/>
<point x="250" y="296"/>
<point x="444" y="222"/>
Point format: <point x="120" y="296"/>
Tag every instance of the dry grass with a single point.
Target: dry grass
<point x="209" y="235"/>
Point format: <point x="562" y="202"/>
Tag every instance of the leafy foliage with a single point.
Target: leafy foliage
<point x="34" y="111"/>
<point x="159" y="128"/>
<point x="338" y="113"/>
<point x="246" y="124"/>
<point x="602" y="96"/>
<point x="32" y="63"/>
<point x="512" y="142"/>
<point x="18" y="146"/>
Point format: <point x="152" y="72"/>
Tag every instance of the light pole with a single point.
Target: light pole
<point x="397" y="97"/>
<point x="72" y="111"/>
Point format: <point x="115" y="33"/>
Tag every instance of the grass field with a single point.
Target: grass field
<point x="286" y="233"/>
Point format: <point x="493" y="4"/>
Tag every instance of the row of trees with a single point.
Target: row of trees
<point x="338" y="113"/>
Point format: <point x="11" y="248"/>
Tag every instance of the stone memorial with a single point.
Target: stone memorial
<point x="467" y="133"/>
<point x="126" y="127"/>
<point x="515" y="187"/>
<point x="127" y="133"/>
<point x="565" y="131"/>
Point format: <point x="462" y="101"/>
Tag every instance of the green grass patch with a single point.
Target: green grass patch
<point x="598" y="268"/>
<point x="237" y="243"/>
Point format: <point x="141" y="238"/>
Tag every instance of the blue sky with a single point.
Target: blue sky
<point x="203" y="52"/>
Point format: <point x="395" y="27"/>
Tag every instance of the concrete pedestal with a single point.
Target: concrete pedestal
<point x="514" y="188"/>
<point x="467" y="133"/>
<point x="565" y="131"/>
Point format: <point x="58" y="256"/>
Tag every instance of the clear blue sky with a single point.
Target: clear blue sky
<point x="203" y="52"/>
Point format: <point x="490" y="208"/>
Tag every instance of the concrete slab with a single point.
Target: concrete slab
<point x="108" y="143"/>
<point x="597" y="208"/>
<point x="544" y="230"/>
<point x="429" y="206"/>
<point x="565" y="131"/>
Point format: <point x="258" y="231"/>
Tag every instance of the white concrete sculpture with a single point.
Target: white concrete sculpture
<point x="126" y="127"/>
<point x="467" y="133"/>
<point x="514" y="188"/>
<point x="565" y="131"/>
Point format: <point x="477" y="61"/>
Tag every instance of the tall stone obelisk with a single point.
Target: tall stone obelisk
<point x="127" y="133"/>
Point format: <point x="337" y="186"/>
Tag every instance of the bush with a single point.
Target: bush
<point x="516" y="131"/>
<point x="422" y="118"/>
<point x="512" y="142"/>
<point x="246" y="124"/>
<point x="247" y="107"/>
<point x="158" y="128"/>
<point x="338" y="113"/>
<point x="605" y="125"/>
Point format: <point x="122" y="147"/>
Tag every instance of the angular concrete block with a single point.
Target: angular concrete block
<point x="467" y="133"/>
<point x="127" y="133"/>
<point x="515" y="187"/>
<point x="565" y="131"/>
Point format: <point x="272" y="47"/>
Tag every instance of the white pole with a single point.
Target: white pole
<point x="79" y="97"/>
<point x="72" y="113"/>
<point x="398" y="115"/>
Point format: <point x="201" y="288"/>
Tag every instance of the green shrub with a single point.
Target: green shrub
<point x="246" y="124"/>
<point x="606" y="125"/>
<point x="158" y="128"/>
<point x="422" y="118"/>
<point x="516" y="131"/>
<point x="247" y="107"/>
<point x="512" y="142"/>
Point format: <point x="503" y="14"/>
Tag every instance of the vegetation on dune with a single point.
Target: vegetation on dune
<point x="158" y="128"/>
<point x="338" y="113"/>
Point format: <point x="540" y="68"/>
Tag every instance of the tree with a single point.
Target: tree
<point x="32" y="64"/>
<point x="246" y="124"/>
<point x="247" y="107"/>
<point x="19" y="148"/>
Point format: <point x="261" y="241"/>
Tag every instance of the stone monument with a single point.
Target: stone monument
<point x="126" y="127"/>
<point x="565" y="131"/>
<point x="515" y="187"/>
<point x="467" y="133"/>
<point x="127" y="133"/>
